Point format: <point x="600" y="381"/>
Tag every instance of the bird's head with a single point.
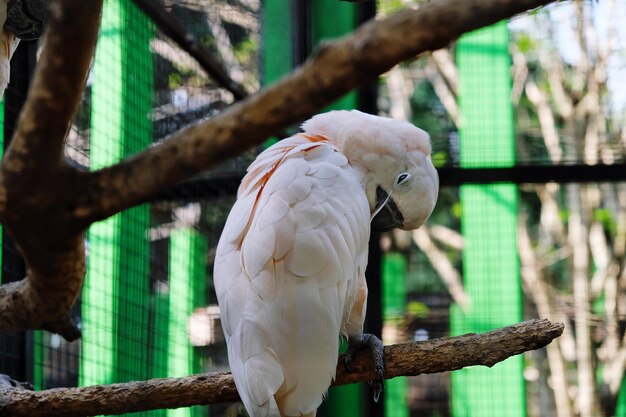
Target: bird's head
<point x="393" y="158"/>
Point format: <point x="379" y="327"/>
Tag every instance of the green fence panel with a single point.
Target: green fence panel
<point x="489" y="219"/>
<point x="187" y="289"/>
<point x="277" y="47"/>
<point x="331" y="19"/>
<point x="394" y="266"/>
<point x="621" y="401"/>
<point x="277" y="56"/>
<point x="116" y="295"/>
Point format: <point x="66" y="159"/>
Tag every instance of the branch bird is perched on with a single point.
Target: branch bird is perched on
<point x="290" y="265"/>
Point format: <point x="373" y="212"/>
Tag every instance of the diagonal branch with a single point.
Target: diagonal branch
<point x="174" y="29"/>
<point x="445" y="65"/>
<point x="432" y="356"/>
<point x="442" y="264"/>
<point x="224" y="46"/>
<point x="334" y="70"/>
<point x="444" y="91"/>
<point x="536" y="289"/>
<point x="546" y="120"/>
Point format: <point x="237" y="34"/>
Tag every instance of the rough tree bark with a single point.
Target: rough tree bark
<point x="433" y="356"/>
<point x="46" y="205"/>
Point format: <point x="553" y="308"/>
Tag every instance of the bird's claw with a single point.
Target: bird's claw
<point x="8" y="382"/>
<point x="354" y="346"/>
<point x="358" y="342"/>
<point x="347" y="360"/>
<point x="378" y="385"/>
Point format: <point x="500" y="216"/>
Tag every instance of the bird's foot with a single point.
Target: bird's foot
<point x="8" y="382"/>
<point x="365" y="340"/>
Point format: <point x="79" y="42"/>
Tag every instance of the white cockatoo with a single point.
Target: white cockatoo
<point x="19" y="19"/>
<point x="290" y="264"/>
<point x="8" y="44"/>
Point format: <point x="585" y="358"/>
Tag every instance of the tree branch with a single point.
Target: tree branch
<point x="399" y="90"/>
<point x="444" y="91"/>
<point x="44" y="298"/>
<point x="445" y="65"/>
<point x="555" y="73"/>
<point x="535" y="287"/>
<point x="449" y="237"/>
<point x="333" y="71"/>
<point x="442" y="264"/>
<point x="224" y="47"/>
<point x="437" y="355"/>
<point x="172" y="28"/>
<point x="578" y="204"/>
<point x="546" y="120"/>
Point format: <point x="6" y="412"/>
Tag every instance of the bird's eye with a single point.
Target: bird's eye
<point x="402" y="180"/>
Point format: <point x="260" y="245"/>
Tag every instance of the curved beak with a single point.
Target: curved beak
<point x="389" y="217"/>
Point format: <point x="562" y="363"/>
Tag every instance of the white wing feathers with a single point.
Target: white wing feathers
<point x="8" y="45"/>
<point x="285" y="273"/>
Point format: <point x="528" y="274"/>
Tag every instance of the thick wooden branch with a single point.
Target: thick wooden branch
<point x="37" y="187"/>
<point x="44" y="298"/>
<point x="334" y="70"/>
<point x="432" y="356"/>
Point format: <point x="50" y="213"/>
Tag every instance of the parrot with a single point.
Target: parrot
<point x="289" y="270"/>
<point x="19" y="20"/>
<point x="8" y="43"/>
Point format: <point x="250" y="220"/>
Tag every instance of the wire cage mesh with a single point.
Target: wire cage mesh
<point x="489" y="256"/>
